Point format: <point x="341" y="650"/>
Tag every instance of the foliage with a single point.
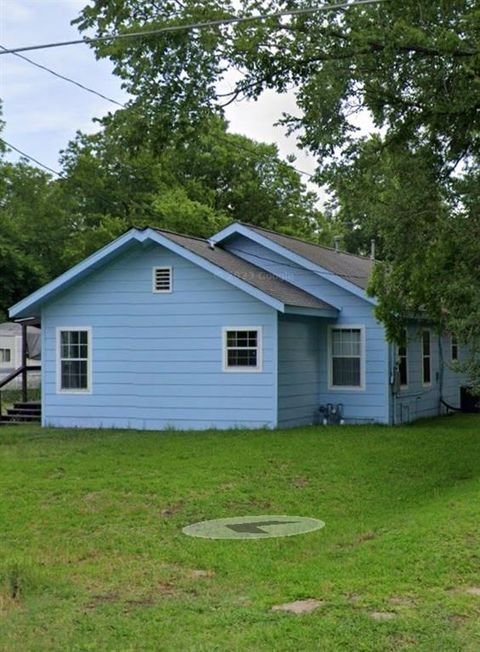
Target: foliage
<point x="33" y="231"/>
<point x="412" y="67"/>
<point x="196" y="184"/>
<point x="93" y="556"/>
<point x="117" y="178"/>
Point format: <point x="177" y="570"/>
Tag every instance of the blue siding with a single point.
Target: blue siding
<point x="157" y="358"/>
<point x="417" y="401"/>
<point x="298" y="370"/>
<point x="370" y="404"/>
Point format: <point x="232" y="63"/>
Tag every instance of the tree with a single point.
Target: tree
<point x="195" y="183"/>
<point x="413" y="66"/>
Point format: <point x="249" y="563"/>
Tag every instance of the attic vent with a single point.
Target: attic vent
<point x="162" y="279"/>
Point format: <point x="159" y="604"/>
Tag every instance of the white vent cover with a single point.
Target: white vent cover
<point x="162" y="279"/>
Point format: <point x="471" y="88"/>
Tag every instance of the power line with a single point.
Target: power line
<point x="31" y="158"/>
<point x="211" y="23"/>
<point x="146" y="208"/>
<point x="60" y="76"/>
<point x="124" y="106"/>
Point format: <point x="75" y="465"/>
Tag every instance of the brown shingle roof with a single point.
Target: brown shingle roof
<point x="257" y="277"/>
<point x="356" y="269"/>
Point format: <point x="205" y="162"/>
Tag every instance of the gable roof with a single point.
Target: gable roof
<point x="348" y="271"/>
<point x="259" y="278"/>
<point x="253" y="280"/>
<point x="356" y="269"/>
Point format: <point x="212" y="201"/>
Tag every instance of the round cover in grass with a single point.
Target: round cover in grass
<point x="253" y="527"/>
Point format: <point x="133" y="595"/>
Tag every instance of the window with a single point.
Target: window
<point x="403" y="361"/>
<point x="242" y="349"/>
<point x="74" y="356"/>
<point x="427" y="358"/>
<point x="162" y="279"/>
<point x="346" y="358"/>
<point x="454" y="348"/>
<point x="5" y="355"/>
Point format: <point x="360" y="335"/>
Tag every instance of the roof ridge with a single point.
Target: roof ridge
<point x="182" y="235"/>
<point x="292" y="237"/>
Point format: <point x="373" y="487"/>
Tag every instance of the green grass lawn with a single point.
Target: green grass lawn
<point x="92" y="556"/>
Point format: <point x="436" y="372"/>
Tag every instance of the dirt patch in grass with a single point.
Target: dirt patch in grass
<point x="173" y="509"/>
<point x="473" y="590"/>
<point x="383" y="616"/>
<point x="100" y="599"/>
<point x="198" y="574"/>
<point x="301" y="482"/>
<point x="402" y="601"/>
<point x="299" y="606"/>
<point x="8" y="604"/>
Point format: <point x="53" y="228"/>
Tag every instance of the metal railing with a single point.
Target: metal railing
<point x="21" y="370"/>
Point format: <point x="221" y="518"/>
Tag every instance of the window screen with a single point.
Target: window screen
<point x="346" y="357"/>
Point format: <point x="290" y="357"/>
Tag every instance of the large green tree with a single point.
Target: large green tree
<point x="196" y="182"/>
<point x="413" y="67"/>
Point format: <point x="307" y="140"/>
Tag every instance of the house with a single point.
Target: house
<point x="11" y="352"/>
<point x="251" y="328"/>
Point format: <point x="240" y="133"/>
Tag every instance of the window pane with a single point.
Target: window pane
<point x="346" y="372"/>
<point x="74" y="374"/>
<point x="242" y="358"/>
<point x="402" y="368"/>
<point x="346" y="342"/>
<point x="454" y="348"/>
<point x="426" y="342"/>
<point x="5" y="355"/>
<point x="426" y="370"/>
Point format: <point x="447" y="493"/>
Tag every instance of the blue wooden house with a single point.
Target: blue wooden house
<point x="251" y="328"/>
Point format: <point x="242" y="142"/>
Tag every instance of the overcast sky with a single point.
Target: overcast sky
<point x="43" y="113"/>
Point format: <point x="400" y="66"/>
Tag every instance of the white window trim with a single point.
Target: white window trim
<point x="248" y="370"/>
<point x="424" y="384"/>
<point x="406" y="359"/>
<point x="60" y="390"/>
<point x="452" y="359"/>
<point x="154" y="271"/>
<point x="346" y="388"/>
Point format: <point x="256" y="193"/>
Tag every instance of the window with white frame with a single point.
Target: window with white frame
<point x="426" y="358"/>
<point x="242" y="349"/>
<point x="346" y="357"/>
<point x="5" y="355"/>
<point x="403" y="360"/>
<point x="162" y="280"/>
<point x="454" y="348"/>
<point x="74" y="360"/>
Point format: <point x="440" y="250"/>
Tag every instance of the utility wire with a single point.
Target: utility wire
<point x="124" y="106"/>
<point x="57" y="74"/>
<point x="31" y="158"/>
<point x="145" y="208"/>
<point x="211" y="23"/>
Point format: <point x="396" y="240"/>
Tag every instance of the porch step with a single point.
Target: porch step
<point x="23" y="413"/>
